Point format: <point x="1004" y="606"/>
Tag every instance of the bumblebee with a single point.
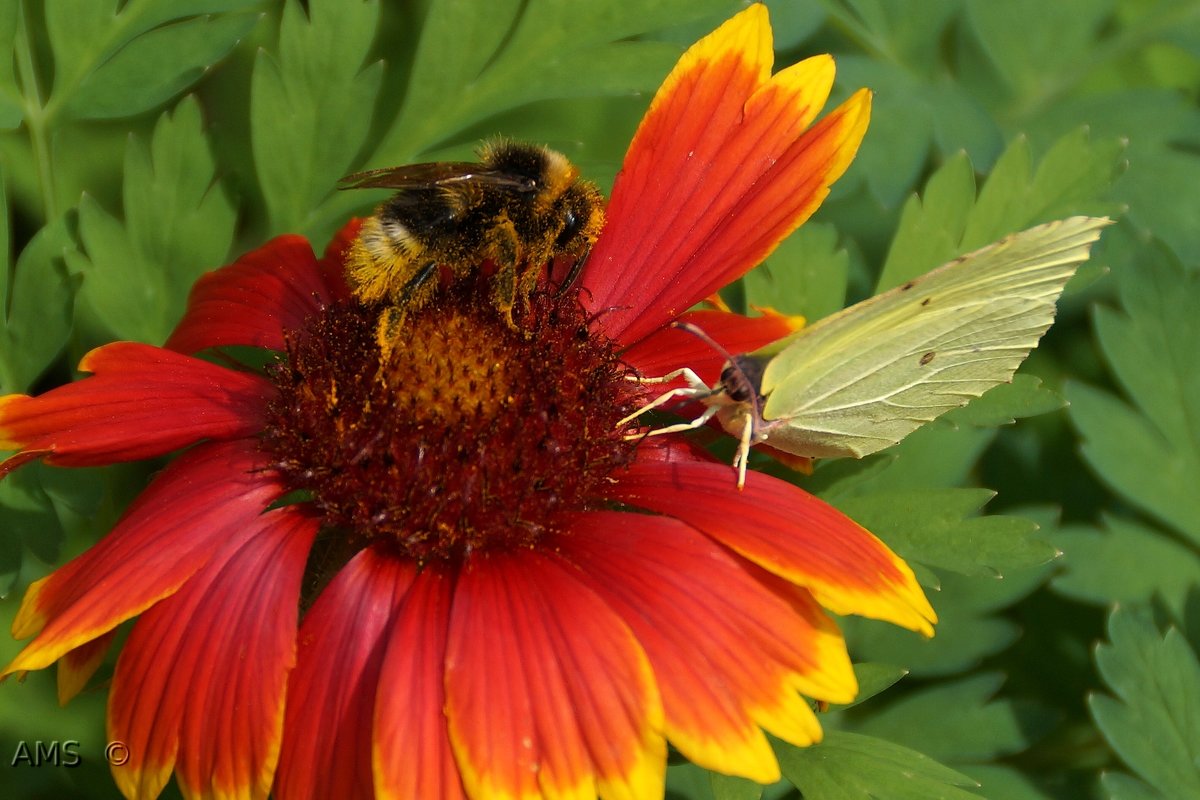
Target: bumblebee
<point x="520" y="209"/>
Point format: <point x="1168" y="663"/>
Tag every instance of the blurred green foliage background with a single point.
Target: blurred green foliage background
<point x="144" y="142"/>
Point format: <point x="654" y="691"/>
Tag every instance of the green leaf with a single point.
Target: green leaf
<point x="1151" y="722"/>
<point x="1120" y="786"/>
<point x="1075" y="176"/>
<point x="1149" y="452"/>
<point x="27" y="520"/>
<point x="102" y="58"/>
<point x="874" y="678"/>
<point x="999" y="782"/>
<point x="1096" y="565"/>
<point x="848" y="766"/>
<point x="917" y="104"/>
<point x="178" y="224"/>
<point x="1008" y="402"/>
<point x="728" y="787"/>
<point x="177" y="55"/>
<point x="310" y="106"/>
<point x="948" y="221"/>
<point x="960" y="721"/>
<point x="1026" y="54"/>
<point x="806" y="275"/>
<point x="1161" y="127"/>
<point x="496" y="56"/>
<point x="11" y="111"/>
<point x="968" y="629"/>
<point x="931" y="227"/>
<point x="937" y="527"/>
<point x="38" y="308"/>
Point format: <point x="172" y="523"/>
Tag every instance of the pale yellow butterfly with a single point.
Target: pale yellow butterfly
<point x="865" y="377"/>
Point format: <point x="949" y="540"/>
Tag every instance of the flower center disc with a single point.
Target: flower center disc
<point x="467" y="435"/>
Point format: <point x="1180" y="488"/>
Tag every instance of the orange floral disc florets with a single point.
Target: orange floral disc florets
<point x="468" y="435"/>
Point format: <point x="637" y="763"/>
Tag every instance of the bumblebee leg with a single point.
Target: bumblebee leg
<point x="505" y="250"/>
<point x="387" y="330"/>
<point x="573" y="273"/>
<point x="416" y="283"/>
<point x="411" y="296"/>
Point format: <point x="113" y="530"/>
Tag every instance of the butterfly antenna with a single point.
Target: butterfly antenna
<point x="734" y="363"/>
<point x="698" y="332"/>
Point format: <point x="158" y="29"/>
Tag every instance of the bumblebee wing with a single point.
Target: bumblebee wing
<point x="436" y="173"/>
<point x="864" y="378"/>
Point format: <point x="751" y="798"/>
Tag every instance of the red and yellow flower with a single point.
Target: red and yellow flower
<point x="485" y="590"/>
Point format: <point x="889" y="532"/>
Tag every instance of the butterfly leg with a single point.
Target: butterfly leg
<point x="743" y="452"/>
<point x="695" y="388"/>
<point x="681" y="426"/>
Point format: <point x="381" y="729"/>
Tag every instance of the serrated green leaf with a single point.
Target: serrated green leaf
<point x="896" y="145"/>
<point x="939" y="453"/>
<point x="948" y="221"/>
<point x="39" y="304"/>
<point x="873" y="678"/>
<point x="1149" y="452"/>
<point x="909" y="34"/>
<point x="792" y="23"/>
<point x="1151" y="723"/>
<point x="931" y="227"/>
<point x="807" y="275"/>
<point x="1096" y="565"/>
<point x="917" y="105"/>
<point x="728" y="787"/>
<point x="27" y="520"/>
<point x="960" y="721"/>
<point x="176" y="54"/>
<point x="498" y="56"/>
<point x="1160" y="126"/>
<point x="686" y="781"/>
<point x="848" y="766"/>
<point x="937" y="527"/>
<point x="178" y="224"/>
<point x="1026" y="54"/>
<point x="310" y="106"/>
<point x="1008" y="402"/>
<point x="1120" y="786"/>
<point x="968" y="628"/>
<point x="999" y="782"/>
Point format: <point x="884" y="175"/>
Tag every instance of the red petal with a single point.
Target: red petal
<point x="786" y="531"/>
<point x="141" y="402"/>
<point x="334" y="689"/>
<point x="548" y="693"/>
<point x="200" y="682"/>
<point x="412" y="752"/>
<point x="722" y="137"/>
<point x="252" y="301"/>
<point x="669" y="349"/>
<point x="728" y="652"/>
<point x="202" y="498"/>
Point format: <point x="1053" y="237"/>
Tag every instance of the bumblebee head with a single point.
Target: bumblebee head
<point x="549" y="173"/>
<point x="581" y="210"/>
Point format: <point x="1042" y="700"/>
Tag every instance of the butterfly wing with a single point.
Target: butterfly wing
<point x="862" y="379"/>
